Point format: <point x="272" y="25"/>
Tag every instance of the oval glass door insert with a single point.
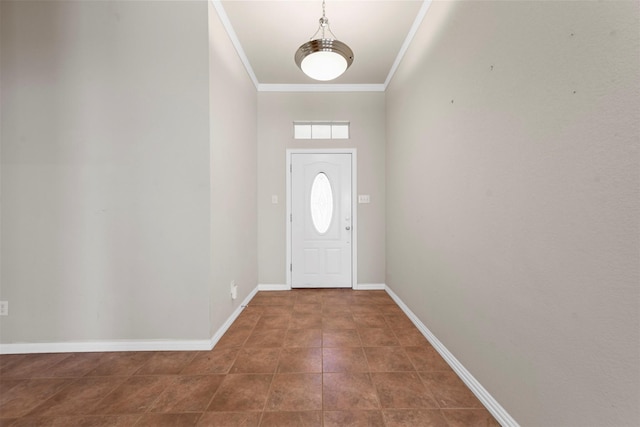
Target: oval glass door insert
<point x="321" y="200"/>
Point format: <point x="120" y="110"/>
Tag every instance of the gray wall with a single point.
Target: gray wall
<point x="276" y="113"/>
<point x="116" y="211"/>
<point x="233" y="127"/>
<point x="513" y="201"/>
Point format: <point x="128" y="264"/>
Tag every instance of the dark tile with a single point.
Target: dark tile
<point x="76" y="365"/>
<point x="410" y="337"/>
<point x="256" y="361"/>
<point x="308" y="298"/>
<point x="372" y="297"/>
<point x="300" y="359"/>
<point x="166" y="362"/>
<point x="119" y="364"/>
<point x="254" y="310"/>
<point x="364" y="309"/>
<point x="390" y="309"/>
<point x="344" y="359"/>
<point x="241" y="392"/>
<point x="135" y="395"/>
<point x="449" y="390"/>
<point x="266" y="338"/>
<point x="469" y="418"/>
<point x="234" y="337"/>
<point x="331" y="309"/>
<point x="353" y="419"/>
<point x="273" y="321"/>
<point x="388" y="359"/>
<point x="380" y="298"/>
<point x="399" y="321"/>
<point x="303" y="338"/>
<point x="295" y="392"/>
<point x="378" y="337"/>
<point x="341" y="338"/>
<point x="26" y="395"/>
<point x="416" y="417"/>
<point x="188" y="394"/>
<point x="336" y="300"/>
<point x="216" y="361"/>
<point x="247" y="319"/>
<point x="8" y="361"/>
<point x="230" y="419"/>
<point x="348" y="352"/>
<point x="78" y="398"/>
<point x="79" y="421"/>
<point x="30" y="365"/>
<point x="315" y="308"/>
<point x="273" y="298"/>
<point x="426" y="358"/>
<point x="348" y="391"/>
<point x="168" y="420"/>
<point x="402" y="390"/>
<point x="338" y="321"/>
<point x="370" y="321"/>
<point x="277" y="309"/>
<point x="293" y="419"/>
<point x="7" y="384"/>
<point x="306" y="321"/>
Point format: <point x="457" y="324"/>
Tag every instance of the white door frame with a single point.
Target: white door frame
<point x="354" y="206"/>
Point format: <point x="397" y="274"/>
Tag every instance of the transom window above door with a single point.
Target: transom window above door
<point x="321" y="130"/>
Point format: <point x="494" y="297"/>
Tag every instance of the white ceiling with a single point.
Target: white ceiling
<point x="269" y="32"/>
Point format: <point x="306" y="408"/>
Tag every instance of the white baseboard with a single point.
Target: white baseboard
<point x="222" y="329"/>
<point x="105" y="346"/>
<point x="273" y="287"/>
<point x="492" y="405"/>
<point x="127" y="345"/>
<point x="370" y="287"/>
<point x="359" y="287"/>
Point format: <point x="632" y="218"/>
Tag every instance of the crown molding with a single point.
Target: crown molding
<point x="426" y="4"/>
<point x="226" y="23"/>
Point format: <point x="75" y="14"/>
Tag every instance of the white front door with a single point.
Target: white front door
<point x="321" y="221"/>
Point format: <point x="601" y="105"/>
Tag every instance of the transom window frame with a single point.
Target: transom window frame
<point x="321" y="130"/>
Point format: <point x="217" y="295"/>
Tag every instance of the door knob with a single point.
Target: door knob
<point x="347" y="228"/>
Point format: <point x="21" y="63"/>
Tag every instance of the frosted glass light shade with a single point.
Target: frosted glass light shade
<point x="324" y="59"/>
<point x="323" y="65"/>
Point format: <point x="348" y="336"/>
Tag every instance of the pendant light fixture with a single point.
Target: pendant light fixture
<point x="324" y="58"/>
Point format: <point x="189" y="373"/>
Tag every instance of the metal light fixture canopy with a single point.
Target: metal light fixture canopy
<point x="324" y="58"/>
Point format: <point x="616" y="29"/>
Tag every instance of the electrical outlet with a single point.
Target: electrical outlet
<point x="234" y="290"/>
<point x="4" y="308"/>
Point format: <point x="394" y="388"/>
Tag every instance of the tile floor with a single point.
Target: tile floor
<point x="326" y="357"/>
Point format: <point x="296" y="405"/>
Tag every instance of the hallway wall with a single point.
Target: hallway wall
<point x="513" y="201"/>
<point x="105" y="171"/>
<point x="234" y="183"/>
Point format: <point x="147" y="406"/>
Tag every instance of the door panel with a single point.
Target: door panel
<point x="321" y="223"/>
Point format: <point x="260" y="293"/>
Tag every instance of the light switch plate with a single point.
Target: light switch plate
<point x="4" y="308"/>
<point x="364" y="198"/>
